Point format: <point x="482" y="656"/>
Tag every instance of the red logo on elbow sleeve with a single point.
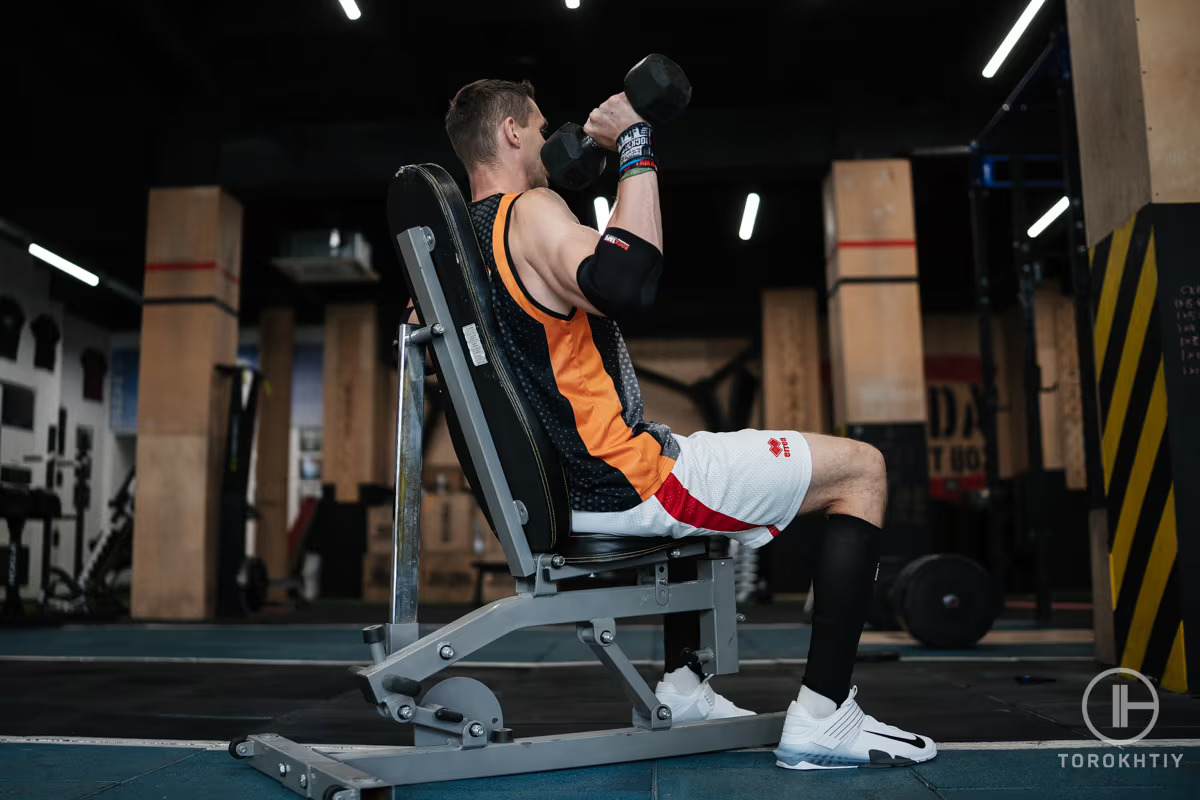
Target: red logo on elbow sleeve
<point x="779" y="447"/>
<point x="608" y="237"/>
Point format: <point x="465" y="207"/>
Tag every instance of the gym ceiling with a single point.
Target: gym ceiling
<point x="304" y="115"/>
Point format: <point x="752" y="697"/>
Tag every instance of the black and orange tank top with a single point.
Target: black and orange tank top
<point x="576" y="374"/>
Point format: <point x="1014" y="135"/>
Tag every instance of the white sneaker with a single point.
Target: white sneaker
<point x="845" y="739"/>
<point x="693" y="700"/>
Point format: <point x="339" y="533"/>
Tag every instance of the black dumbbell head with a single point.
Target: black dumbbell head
<point x="657" y="89"/>
<point x="570" y="163"/>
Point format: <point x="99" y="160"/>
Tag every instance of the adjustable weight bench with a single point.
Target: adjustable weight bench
<point x="459" y="727"/>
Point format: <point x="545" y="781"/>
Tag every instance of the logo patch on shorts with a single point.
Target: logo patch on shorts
<point x="608" y="237"/>
<point x="779" y="447"/>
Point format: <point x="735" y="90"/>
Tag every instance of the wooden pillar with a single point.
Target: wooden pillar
<point x="1068" y="394"/>
<point x="875" y="340"/>
<point x="1059" y="396"/>
<point x="189" y="325"/>
<point x="1058" y="360"/>
<point x="1137" y="102"/>
<point x="792" y="398"/>
<point x="1136" y="72"/>
<point x="355" y="386"/>
<point x="277" y="330"/>
<point x="874" y="305"/>
<point x="1012" y="445"/>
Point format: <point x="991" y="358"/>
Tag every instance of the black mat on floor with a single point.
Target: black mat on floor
<point x="954" y="701"/>
<point x="789" y="613"/>
<point x="332" y="612"/>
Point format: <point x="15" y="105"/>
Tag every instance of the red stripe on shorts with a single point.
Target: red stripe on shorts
<point x="681" y="505"/>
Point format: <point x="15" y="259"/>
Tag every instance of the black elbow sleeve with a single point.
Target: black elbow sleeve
<point x="621" y="278"/>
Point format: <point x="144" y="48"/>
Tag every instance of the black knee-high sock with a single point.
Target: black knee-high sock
<point x="681" y="630"/>
<point x="844" y="581"/>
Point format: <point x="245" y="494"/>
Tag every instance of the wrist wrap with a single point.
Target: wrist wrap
<point x="635" y="148"/>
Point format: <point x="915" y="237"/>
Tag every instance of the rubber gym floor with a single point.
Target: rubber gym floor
<point x="141" y="711"/>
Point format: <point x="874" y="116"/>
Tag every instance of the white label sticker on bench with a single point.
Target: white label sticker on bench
<point x="471" y="334"/>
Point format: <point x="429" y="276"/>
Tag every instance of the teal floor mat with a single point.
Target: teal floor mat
<point x="72" y="772"/>
<point x="344" y="643"/>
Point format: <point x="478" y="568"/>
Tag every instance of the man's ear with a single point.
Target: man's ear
<point x="508" y="129"/>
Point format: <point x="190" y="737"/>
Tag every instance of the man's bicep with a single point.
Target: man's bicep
<point x="574" y="247"/>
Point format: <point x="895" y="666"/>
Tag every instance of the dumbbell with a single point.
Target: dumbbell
<point x="657" y="89"/>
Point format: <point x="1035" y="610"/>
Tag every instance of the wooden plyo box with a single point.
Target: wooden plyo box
<point x="446" y="578"/>
<point x="484" y="544"/>
<point x="441" y="469"/>
<point x="446" y="522"/>
<point x="379" y="530"/>
<point x="497" y="585"/>
<point x="377" y="577"/>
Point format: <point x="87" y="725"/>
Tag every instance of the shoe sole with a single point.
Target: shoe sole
<point x="879" y="760"/>
<point x="804" y="766"/>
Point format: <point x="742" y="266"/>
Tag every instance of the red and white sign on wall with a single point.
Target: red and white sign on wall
<point x="956" y="442"/>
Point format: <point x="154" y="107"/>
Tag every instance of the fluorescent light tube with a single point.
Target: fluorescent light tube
<point x="59" y="262"/>
<point x="1054" y="213"/>
<point x="1011" y="40"/>
<point x="602" y="213"/>
<point x="748" y="215"/>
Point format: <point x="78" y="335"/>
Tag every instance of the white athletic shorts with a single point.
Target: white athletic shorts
<point x="747" y="485"/>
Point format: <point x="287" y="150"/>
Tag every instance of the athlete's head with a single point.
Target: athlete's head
<point x="496" y="125"/>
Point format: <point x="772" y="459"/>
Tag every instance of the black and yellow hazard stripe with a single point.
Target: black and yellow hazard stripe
<point x="1138" y="483"/>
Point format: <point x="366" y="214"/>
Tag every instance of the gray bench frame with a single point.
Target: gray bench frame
<point x="459" y="728"/>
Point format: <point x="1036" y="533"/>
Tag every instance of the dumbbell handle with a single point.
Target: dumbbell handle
<point x="662" y="92"/>
<point x="590" y="142"/>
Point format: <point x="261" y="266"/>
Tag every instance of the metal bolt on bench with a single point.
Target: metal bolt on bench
<point x="459" y="726"/>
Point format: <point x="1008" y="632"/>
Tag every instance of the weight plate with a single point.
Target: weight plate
<point x="945" y="601"/>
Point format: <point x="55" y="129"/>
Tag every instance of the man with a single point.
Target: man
<point x="559" y="289"/>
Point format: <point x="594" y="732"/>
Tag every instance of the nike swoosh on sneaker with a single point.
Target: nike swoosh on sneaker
<point x="916" y="741"/>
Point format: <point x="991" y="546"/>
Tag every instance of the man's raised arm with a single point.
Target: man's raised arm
<point x="614" y="273"/>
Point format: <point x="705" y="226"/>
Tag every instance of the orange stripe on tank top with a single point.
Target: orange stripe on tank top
<point x="581" y="378"/>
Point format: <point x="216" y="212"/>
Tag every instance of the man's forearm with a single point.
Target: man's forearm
<point x="621" y="279"/>
<point x="637" y="209"/>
